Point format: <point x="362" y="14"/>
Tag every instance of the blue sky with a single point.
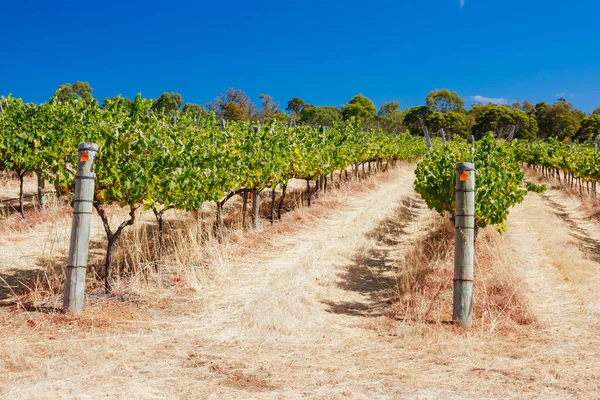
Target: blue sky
<point x="322" y="51"/>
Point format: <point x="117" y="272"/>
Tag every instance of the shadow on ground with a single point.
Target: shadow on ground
<point x="373" y="273"/>
<point x="590" y="247"/>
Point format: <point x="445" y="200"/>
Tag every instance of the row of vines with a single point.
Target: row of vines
<point x="578" y="162"/>
<point x="157" y="162"/>
<point x="499" y="180"/>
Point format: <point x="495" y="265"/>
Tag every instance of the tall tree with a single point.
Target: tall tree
<point x="78" y="90"/>
<point x="320" y="116"/>
<point x="295" y="106"/>
<point x="388" y="109"/>
<point x="590" y="128"/>
<point x="501" y="120"/>
<point x="390" y="117"/>
<point x="234" y="104"/>
<point x="528" y="108"/>
<point x="559" y="120"/>
<point x="361" y="108"/>
<point x="516" y="106"/>
<point x="168" y="103"/>
<point x="269" y="107"/>
<point x="415" y="119"/>
<point x="453" y="123"/>
<point x="443" y="100"/>
<point x="596" y="111"/>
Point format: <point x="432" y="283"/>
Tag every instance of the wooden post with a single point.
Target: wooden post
<point x="464" y="244"/>
<point x="427" y="138"/>
<point x="80" y="229"/>
<point x="472" y="141"/>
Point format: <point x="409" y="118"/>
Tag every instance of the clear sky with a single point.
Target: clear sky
<point x="322" y="51"/>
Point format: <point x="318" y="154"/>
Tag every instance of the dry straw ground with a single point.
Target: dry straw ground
<point x="347" y="299"/>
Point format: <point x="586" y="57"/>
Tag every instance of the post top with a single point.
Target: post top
<point x="465" y="166"/>
<point x="88" y="146"/>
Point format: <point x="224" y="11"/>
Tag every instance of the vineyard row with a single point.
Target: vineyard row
<point x="157" y="162"/>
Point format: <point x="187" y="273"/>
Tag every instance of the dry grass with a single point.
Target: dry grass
<point x="13" y="223"/>
<point x="140" y="264"/>
<point x="426" y="282"/>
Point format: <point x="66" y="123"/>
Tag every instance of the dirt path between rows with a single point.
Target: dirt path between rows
<point x="303" y="317"/>
<point x="555" y="254"/>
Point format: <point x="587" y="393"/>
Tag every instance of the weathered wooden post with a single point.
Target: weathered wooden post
<point x="80" y="229"/>
<point x="464" y="244"/>
<point x="427" y="138"/>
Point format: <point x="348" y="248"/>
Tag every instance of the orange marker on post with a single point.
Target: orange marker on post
<point x="85" y="157"/>
<point x="464" y="176"/>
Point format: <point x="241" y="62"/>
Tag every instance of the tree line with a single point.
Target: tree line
<point x="443" y="111"/>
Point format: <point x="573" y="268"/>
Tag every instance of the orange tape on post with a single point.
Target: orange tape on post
<point x="85" y="157"/>
<point x="464" y="176"/>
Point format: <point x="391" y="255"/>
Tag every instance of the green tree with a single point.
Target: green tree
<point x="559" y="120"/>
<point x="415" y="119"/>
<point x="295" y="106"/>
<point x="502" y="120"/>
<point x="516" y="106"/>
<point x="528" y="108"/>
<point x="78" y="90"/>
<point x="168" y="103"/>
<point x="590" y="128"/>
<point x="596" y="111"/>
<point x="443" y="100"/>
<point x="391" y="118"/>
<point x="361" y="108"/>
<point x="453" y="123"/>
<point x="320" y="116"/>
